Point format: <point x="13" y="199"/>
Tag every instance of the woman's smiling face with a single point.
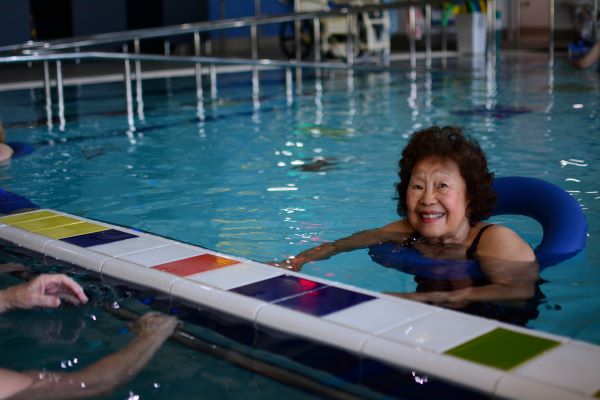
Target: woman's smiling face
<point x="437" y="201"/>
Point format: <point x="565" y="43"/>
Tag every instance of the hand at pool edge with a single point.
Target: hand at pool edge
<point x="46" y="290"/>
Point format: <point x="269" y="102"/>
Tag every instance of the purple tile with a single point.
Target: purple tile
<point x="96" y="238"/>
<point x="325" y="300"/>
<point x="277" y="288"/>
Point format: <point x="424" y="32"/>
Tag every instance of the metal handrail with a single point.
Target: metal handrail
<point x="175" y="30"/>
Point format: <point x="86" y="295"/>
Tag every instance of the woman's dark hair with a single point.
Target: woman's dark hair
<point x="449" y="143"/>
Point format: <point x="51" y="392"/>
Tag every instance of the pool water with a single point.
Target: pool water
<point x="264" y="177"/>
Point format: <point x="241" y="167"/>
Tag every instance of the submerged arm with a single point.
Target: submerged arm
<point x="397" y="231"/>
<point x="151" y="330"/>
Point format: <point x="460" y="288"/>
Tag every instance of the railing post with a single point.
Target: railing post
<point x="198" y="67"/>
<point x="289" y="86"/>
<point x="491" y="28"/>
<point x="167" y="52"/>
<point x="595" y="25"/>
<point x="128" y="94"/>
<point x="254" y="31"/>
<point x="412" y="33"/>
<point x="551" y="41"/>
<point x="444" y="42"/>
<point x="47" y="90"/>
<point x="428" y="35"/>
<point x="138" y="81"/>
<point x="350" y="39"/>
<point x="386" y="53"/>
<point x="61" y="99"/>
<point x="213" y="72"/>
<point x="317" y="36"/>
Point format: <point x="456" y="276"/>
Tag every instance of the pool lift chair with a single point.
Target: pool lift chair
<point x="370" y="30"/>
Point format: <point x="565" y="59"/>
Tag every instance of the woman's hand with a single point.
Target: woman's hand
<point x="290" y="264"/>
<point x="44" y="291"/>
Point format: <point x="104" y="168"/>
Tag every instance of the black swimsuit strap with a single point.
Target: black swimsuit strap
<point x="473" y="247"/>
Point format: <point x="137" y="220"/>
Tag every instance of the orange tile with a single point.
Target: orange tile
<point x="195" y="265"/>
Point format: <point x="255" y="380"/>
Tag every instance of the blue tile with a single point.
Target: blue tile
<point x="96" y="238"/>
<point x="277" y="288"/>
<point x="325" y="300"/>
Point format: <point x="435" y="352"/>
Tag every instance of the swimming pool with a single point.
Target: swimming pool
<point x="232" y="180"/>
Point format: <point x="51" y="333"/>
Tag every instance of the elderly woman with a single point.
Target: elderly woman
<point x="444" y="194"/>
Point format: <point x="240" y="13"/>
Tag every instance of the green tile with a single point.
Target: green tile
<point x="502" y="348"/>
<point x="29" y="216"/>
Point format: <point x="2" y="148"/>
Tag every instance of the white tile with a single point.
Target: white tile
<point x="309" y="326"/>
<point x="380" y="314"/>
<point x="160" y="255"/>
<point x="127" y="246"/>
<point x="76" y="255"/>
<point x="424" y="362"/>
<point x="208" y="296"/>
<point x="28" y="240"/>
<point x="440" y="331"/>
<point x="572" y="366"/>
<point x="519" y="388"/>
<point x="139" y="275"/>
<point x="234" y="275"/>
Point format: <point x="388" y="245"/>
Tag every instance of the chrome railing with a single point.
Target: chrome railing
<point x="46" y="52"/>
<point x="253" y="22"/>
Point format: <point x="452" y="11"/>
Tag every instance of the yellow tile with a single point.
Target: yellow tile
<point x="46" y="223"/>
<point x="65" y="231"/>
<point x="30" y="216"/>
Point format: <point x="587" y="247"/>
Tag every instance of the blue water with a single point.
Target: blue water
<point x="228" y="178"/>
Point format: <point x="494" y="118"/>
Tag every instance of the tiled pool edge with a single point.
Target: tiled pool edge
<point x="477" y="353"/>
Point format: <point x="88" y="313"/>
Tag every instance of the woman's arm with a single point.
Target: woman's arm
<point x="396" y="231"/>
<point x="151" y="330"/>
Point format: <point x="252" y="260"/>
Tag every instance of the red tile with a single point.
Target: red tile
<point x="196" y="264"/>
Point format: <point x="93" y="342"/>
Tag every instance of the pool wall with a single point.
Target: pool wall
<point x="363" y="337"/>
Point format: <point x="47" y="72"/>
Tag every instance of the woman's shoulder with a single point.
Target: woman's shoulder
<point x="6" y="152"/>
<point x="500" y="241"/>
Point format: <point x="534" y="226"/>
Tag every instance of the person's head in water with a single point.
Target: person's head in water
<point x="449" y="149"/>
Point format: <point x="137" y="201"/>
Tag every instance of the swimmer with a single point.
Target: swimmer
<point x="444" y="195"/>
<point x="50" y="290"/>
<point x="6" y="151"/>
